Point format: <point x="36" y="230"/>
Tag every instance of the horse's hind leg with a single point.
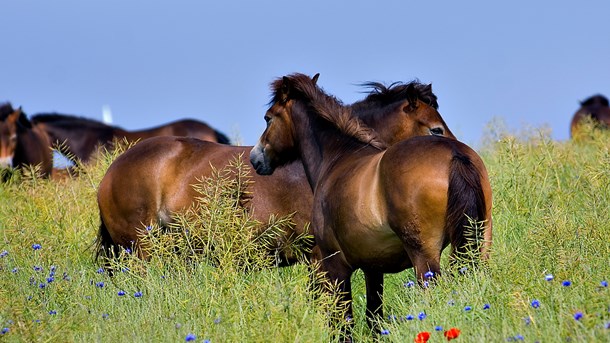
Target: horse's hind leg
<point x="374" y="299"/>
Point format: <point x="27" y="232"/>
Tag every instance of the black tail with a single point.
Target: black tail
<point x="222" y="138"/>
<point x="104" y="246"/>
<point x="465" y="208"/>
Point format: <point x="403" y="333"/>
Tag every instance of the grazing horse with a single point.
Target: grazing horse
<point x="21" y="143"/>
<point x="153" y="179"/>
<point x="595" y="107"/>
<point x="80" y="137"/>
<point x="376" y="208"/>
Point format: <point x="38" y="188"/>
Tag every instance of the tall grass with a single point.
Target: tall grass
<point x="551" y="225"/>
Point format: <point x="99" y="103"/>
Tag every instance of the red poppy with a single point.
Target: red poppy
<point x="452" y="333"/>
<point x="422" y="337"/>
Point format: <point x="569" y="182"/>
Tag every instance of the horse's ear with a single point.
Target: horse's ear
<point x="315" y="78"/>
<point x="284" y="89"/>
<point x="21" y="119"/>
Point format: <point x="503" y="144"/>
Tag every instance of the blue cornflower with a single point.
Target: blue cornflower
<point x="450" y="302"/>
<point x="190" y="337"/>
<point x="42" y="285"/>
<point x="426" y="284"/>
<point x="519" y="338"/>
<point x="566" y="283"/>
<point x="467" y="308"/>
<point x="121" y="293"/>
<point x="438" y="328"/>
<point x="578" y="315"/>
<point x="392" y="317"/>
<point x="127" y="250"/>
<point x="409" y="284"/>
<point x="36" y="246"/>
<point x="105" y="315"/>
<point x="3" y="253"/>
<point x="52" y="268"/>
<point x="148" y="228"/>
<point x="486" y="306"/>
<point x="421" y="316"/>
<point x="429" y="274"/>
<point x="217" y="320"/>
<point x="66" y="276"/>
<point x="527" y="320"/>
<point x="409" y="317"/>
<point x="137" y="294"/>
<point x="52" y="274"/>
<point x="37" y="268"/>
<point x="385" y="332"/>
<point x="206" y="341"/>
<point x="14" y="270"/>
<point x="607" y="326"/>
<point x="535" y="303"/>
<point x="5" y="330"/>
<point x="52" y="312"/>
<point x="99" y="284"/>
<point x="100" y="270"/>
<point x="463" y="270"/>
<point x="604" y="283"/>
<point x="50" y="279"/>
<point x="549" y="277"/>
<point x="124" y="270"/>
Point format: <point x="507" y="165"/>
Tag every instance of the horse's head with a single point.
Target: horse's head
<point x="596" y="110"/>
<point x="401" y="111"/>
<point x="9" y="124"/>
<point x="276" y="145"/>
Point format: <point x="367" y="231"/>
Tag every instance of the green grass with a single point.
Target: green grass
<point x="551" y="217"/>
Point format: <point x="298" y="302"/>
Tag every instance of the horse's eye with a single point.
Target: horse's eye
<point x="267" y="119"/>
<point x="437" y="131"/>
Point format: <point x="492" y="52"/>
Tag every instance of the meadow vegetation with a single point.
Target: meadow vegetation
<point x="211" y="279"/>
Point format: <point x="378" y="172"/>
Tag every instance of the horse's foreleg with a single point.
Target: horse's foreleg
<point x="374" y="298"/>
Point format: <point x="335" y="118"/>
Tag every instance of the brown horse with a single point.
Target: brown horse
<point x="133" y="194"/>
<point x="80" y="137"/>
<point x="596" y="108"/>
<point x="21" y="143"/>
<point x="378" y="209"/>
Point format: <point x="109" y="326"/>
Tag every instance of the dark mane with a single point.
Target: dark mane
<point x="327" y="107"/>
<point x="65" y="120"/>
<point x="5" y="110"/>
<point x="596" y="100"/>
<point x="381" y="95"/>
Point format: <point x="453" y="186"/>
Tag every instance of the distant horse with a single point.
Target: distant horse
<point x="595" y="107"/>
<point x="80" y="137"/>
<point x="21" y="143"/>
<point x="376" y="208"/>
<point x="131" y="195"/>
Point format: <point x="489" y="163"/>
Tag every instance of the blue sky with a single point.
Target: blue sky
<point x="527" y="62"/>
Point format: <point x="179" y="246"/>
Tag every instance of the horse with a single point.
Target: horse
<point x="596" y="108"/>
<point x="376" y="208"/>
<point x="79" y="137"/>
<point x="130" y="194"/>
<point x="21" y="143"/>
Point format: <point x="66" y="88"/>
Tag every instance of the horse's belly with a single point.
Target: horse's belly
<point x="376" y="248"/>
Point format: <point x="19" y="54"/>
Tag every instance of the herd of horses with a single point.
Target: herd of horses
<point x="384" y="182"/>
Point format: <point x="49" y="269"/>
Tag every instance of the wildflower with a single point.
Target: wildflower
<point x="137" y="294"/>
<point x="549" y="277"/>
<point x="438" y="328"/>
<point x="409" y="317"/>
<point x="426" y="284"/>
<point x="124" y="270"/>
<point x="604" y="283"/>
<point x="100" y="270"/>
<point x="127" y="251"/>
<point x="421" y="316"/>
<point x="422" y="337"/>
<point x="121" y="293"/>
<point x="190" y="337"/>
<point x="53" y="269"/>
<point x="217" y="320"/>
<point x="36" y="246"/>
<point x="148" y="228"/>
<point x="42" y="285"/>
<point x="463" y="270"/>
<point x="52" y="312"/>
<point x="50" y="279"/>
<point x="486" y="306"/>
<point x="535" y="303"/>
<point x="385" y="332"/>
<point x="37" y="268"/>
<point x="14" y="270"/>
<point x="578" y="315"/>
<point x="467" y="308"/>
<point x="450" y="302"/>
<point x="105" y="315"/>
<point x="66" y="276"/>
<point x="527" y="320"/>
<point x="392" y="317"/>
<point x="429" y="274"/>
<point x="452" y="333"/>
<point x="566" y="283"/>
<point x="99" y="284"/>
<point x="5" y="330"/>
<point x="607" y="325"/>
<point x="519" y="337"/>
<point x="3" y="253"/>
<point x="409" y="284"/>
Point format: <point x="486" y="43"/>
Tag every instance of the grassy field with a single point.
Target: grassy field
<point x="546" y="281"/>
